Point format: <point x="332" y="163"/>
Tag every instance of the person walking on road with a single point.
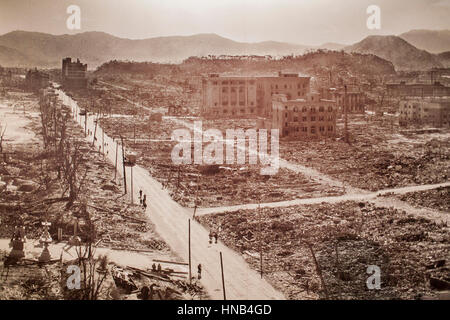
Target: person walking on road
<point x="199" y="271"/>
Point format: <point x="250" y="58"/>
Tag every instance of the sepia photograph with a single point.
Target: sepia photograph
<point x="225" y="150"/>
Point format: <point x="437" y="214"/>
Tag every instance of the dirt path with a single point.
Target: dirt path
<point x="171" y="222"/>
<point x="374" y="197"/>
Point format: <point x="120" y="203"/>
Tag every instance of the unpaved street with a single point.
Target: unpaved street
<point x="171" y="222"/>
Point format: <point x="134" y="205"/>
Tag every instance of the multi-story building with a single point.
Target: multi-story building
<point x="74" y="74"/>
<point x="241" y="96"/>
<point x="403" y="89"/>
<point x="428" y="111"/>
<point x="310" y="118"/>
<point x="356" y="99"/>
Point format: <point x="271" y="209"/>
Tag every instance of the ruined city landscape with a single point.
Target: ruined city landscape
<point x="94" y="207"/>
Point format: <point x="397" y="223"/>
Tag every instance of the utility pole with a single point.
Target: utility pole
<point x="103" y="142"/>
<point x="115" y="166"/>
<point x="189" y="244"/>
<point x="345" y="114"/>
<point x="123" y="165"/>
<point x="131" y="183"/>
<point x="223" y="279"/>
<point x="260" y="241"/>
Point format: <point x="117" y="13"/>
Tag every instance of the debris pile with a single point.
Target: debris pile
<point x="346" y="238"/>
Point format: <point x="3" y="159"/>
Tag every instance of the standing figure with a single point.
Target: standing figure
<point x="199" y="271"/>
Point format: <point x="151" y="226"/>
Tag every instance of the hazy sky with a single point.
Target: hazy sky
<point x="298" y="21"/>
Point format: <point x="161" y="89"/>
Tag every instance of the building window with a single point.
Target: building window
<point x="304" y="109"/>
<point x="313" y="129"/>
<point x="321" y="118"/>
<point x="321" y="109"/>
<point x="304" y="119"/>
<point x="321" y="129"/>
<point x="313" y="109"/>
<point x="295" y="119"/>
<point x="313" y="118"/>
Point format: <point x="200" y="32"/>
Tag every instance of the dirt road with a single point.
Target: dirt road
<point x="374" y="197"/>
<point x="171" y="222"/>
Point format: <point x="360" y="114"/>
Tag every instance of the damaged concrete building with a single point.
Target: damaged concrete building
<point x="356" y="98"/>
<point x="74" y="74"/>
<point x="310" y="118"/>
<point x="249" y="96"/>
<point x="433" y="112"/>
<point x="35" y="80"/>
<point x="404" y="89"/>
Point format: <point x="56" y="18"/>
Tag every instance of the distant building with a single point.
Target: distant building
<point x="36" y="80"/>
<point x="242" y="96"/>
<point x="74" y="74"/>
<point x="433" y="112"/>
<point x="356" y="99"/>
<point x="403" y="89"/>
<point x="308" y="118"/>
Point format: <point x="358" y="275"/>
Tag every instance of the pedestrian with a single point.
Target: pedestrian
<point x="159" y="267"/>
<point x="215" y="236"/>
<point x="144" y="204"/>
<point x="144" y="199"/>
<point x="199" y="270"/>
<point x="210" y="237"/>
<point x="153" y="267"/>
<point x="140" y="196"/>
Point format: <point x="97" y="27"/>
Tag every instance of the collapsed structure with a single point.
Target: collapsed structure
<point x="36" y="79"/>
<point x="74" y="74"/>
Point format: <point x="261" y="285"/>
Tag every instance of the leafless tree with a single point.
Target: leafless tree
<point x="2" y="134"/>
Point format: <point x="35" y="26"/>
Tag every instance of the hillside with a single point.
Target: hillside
<point x="94" y="48"/>
<point x="402" y="54"/>
<point x="444" y="58"/>
<point x="434" y="41"/>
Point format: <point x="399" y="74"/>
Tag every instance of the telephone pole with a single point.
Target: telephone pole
<point x="345" y="115"/>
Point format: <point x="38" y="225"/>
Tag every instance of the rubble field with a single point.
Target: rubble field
<point x="207" y="186"/>
<point x="438" y="199"/>
<point x="380" y="155"/>
<point x="412" y="253"/>
<point x="31" y="193"/>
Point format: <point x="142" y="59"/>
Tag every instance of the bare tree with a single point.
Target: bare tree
<point x="2" y="134"/>
<point x="70" y="160"/>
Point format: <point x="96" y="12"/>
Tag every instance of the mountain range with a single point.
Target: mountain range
<point x="29" y="49"/>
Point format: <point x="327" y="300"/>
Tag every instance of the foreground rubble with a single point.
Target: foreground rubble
<point x="345" y="238"/>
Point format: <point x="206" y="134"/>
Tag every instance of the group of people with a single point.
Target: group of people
<point x="143" y="200"/>
<point x="213" y="234"/>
